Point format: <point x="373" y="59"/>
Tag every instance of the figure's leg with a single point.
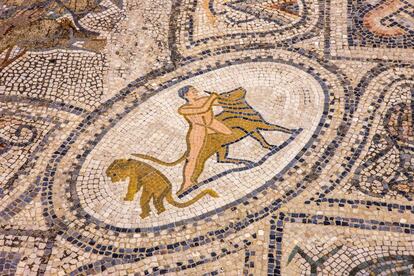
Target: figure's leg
<point x="196" y="142"/>
<point x="259" y="137"/>
<point x="272" y="127"/>
<point x="219" y="127"/>
<point x="159" y="202"/>
<point x="199" y="168"/>
<point x="144" y="202"/>
<point x="222" y="157"/>
<point x="132" y="190"/>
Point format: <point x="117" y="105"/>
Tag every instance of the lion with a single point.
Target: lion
<point x="155" y="185"/>
<point x="242" y="119"/>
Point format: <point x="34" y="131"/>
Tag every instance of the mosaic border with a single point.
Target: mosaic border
<point x="106" y="263"/>
<point x="24" y="198"/>
<point x="354" y="30"/>
<point x="90" y="245"/>
<point x="193" y="42"/>
<point x="357" y="53"/>
<point x="180" y="58"/>
<point x="278" y="221"/>
<point x="277" y="177"/>
<point x="341" y="202"/>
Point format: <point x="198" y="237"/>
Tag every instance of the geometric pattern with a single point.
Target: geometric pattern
<point x="365" y="29"/>
<point x="379" y="163"/>
<point x="8" y="263"/>
<point x="333" y="251"/>
<point x="385" y="23"/>
<point x="226" y="23"/>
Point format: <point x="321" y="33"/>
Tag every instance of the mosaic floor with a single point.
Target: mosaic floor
<point x="207" y="137"/>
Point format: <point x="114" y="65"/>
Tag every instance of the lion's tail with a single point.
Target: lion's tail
<point x="205" y="192"/>
<point x="153" y="159"/>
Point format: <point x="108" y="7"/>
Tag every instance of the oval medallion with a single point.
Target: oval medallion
<point x="196" y="146"/>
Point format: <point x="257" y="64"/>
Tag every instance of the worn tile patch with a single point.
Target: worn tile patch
<point x="206" y="137"/>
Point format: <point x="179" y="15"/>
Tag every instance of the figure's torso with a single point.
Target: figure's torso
<point x="202" y="119"/>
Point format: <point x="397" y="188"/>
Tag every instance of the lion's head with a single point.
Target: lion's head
<point x="119" y="170"/>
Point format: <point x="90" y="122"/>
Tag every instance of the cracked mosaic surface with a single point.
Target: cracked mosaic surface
<point x="206" y="137"/>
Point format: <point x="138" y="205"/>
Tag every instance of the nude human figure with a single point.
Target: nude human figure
<point x="198" y="112"/>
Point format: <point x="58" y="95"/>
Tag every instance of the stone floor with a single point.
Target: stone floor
<point x="207" y="137"/>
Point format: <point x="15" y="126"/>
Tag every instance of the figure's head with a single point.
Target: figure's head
<point x="119" y="170"/>
<point x="188" y="93"/>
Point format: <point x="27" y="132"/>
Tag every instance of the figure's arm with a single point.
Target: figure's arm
<point x="199" y="110"/>
<point x="215" y="103"/>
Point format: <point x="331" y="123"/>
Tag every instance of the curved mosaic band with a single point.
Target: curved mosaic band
<point x="73" y="227"/>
